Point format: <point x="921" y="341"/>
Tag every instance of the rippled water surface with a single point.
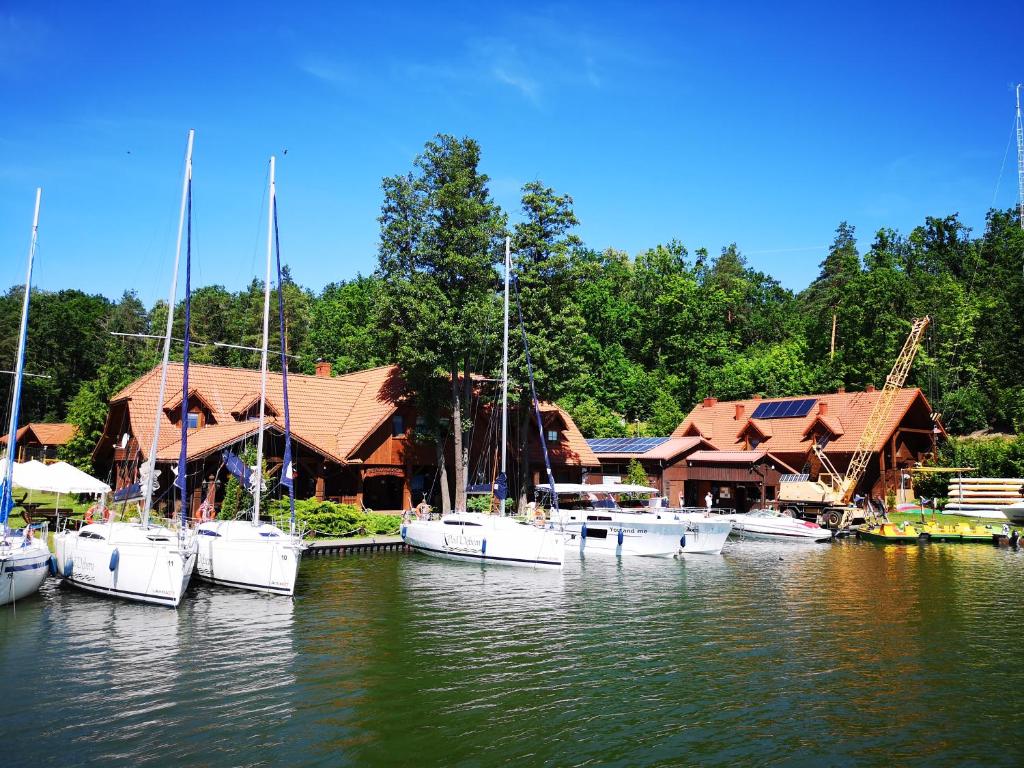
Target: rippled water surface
<point x="850" y="654"/>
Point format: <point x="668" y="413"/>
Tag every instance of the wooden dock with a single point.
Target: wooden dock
<point x="344" y="547"/>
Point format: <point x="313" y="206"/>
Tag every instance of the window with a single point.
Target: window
<point x="193" y="421"/>
<point x="397" y="425"/>
<point x="754" y="442"/>
<point x="552" y="435"/>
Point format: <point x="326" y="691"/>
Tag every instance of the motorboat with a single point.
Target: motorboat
<point x="595" y="521"/>
<point x="1014" y="513"/>
<point x="486" y="538"/>
<point x="775" y="526"/>
<point x="251" y="553"/>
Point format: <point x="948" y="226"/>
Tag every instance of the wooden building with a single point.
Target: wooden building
<point x="41" y="441"/>
<point x="787" y="428"/>
<point x="355" y="436"/>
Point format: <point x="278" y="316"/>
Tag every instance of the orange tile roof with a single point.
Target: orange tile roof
<point x="46" y="434"/>
<point x="736" y="457"/>
<point x="330" y="414"/>
<point x="848" y="412"/>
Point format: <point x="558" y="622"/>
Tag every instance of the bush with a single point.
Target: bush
<point x="325" y="518"/>
<point x="482" y="503"/>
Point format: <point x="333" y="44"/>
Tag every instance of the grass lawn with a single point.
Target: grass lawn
<point x="69" y="506"/>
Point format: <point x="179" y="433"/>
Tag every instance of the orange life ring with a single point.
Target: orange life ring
<point x="206" y="512"/>
<point x="89" y="514"/>
<point x="107" y="514"/>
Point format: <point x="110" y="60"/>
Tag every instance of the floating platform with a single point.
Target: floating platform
<point x="912" y="532"/>
<point x="342" y="547"/>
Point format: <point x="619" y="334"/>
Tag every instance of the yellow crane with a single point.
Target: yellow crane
<point x="840" y="491"/>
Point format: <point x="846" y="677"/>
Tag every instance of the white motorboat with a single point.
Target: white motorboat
<point x="139" y="561"/>
<point x="1014" y="513"/>
<point x="602" y="526"/>
<point x="250" y="554"/>
<point x="145" y="563"/>
<point x="24" y="556"/>
<point x="485" y="538"/>
<point x="773" y="525"/>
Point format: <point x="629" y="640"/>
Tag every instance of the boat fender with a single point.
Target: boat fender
<point x="483" y="547"/>
<point x="583" y="531"/>
<point x="69" y="568"/>
<point x="403" y="533"/>
<point x="115" y="558"/>
<point x="682" y="541"/>
<point x="52" y="565"/>
<point x="620" y="537"/>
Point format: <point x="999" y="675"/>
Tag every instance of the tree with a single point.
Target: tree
<point x="440" y="238"/>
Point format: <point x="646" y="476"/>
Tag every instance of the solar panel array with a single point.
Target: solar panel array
<point x="783" y="409"/>
<point x="624" y="444"/>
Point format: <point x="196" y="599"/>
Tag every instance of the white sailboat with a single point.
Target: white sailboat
<point x="250" y="554"/>
<point x="24" y="555"/>
<point x="142" y="561"/>
<point x="490" y="538"/>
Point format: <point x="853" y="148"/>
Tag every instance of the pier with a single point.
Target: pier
<point x="344" y="547"/>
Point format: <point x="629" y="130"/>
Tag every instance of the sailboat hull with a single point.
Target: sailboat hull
<point x="23" y="569"/>
<point x="235" y="553"/>
<point x="479" y="538"/>
<point x="126" y="560"/>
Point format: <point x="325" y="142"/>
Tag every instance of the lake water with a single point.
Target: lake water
<point x="849" y="654"/>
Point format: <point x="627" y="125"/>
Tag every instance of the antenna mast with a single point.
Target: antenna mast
<point x="1020" y="162"/>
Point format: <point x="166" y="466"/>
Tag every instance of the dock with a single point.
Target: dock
<point x="354" y="546"/>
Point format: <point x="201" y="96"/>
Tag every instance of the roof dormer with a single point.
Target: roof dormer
<point x="248" y="407"/>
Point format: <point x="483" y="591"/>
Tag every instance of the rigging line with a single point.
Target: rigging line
<point x="1002" y="168"/>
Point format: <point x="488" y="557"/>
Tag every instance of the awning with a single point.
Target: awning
<point x="55" y="478"/>
<point x="570" y="488"/>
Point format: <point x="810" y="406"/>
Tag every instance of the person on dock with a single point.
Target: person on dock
<point x="708" y="501"/>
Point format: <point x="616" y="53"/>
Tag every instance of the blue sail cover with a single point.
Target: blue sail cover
<point x="182" y="479"/>
<point x="287" y="473"/>
<point x="133" y="491"/>
<point x="237" y="467"/>
<point x="6" y="500"/>
<point x="501" y="487"/>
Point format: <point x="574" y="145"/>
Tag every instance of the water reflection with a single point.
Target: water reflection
<point x="841" y="654"/>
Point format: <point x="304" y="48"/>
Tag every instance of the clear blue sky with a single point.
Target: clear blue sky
<point x="733" y="122"/>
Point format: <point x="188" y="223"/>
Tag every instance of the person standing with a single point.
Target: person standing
<point x="708" y="501"/>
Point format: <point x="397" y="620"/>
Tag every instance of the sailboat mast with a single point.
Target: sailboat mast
<point x="1020" y="161"/>
<point x="258" y="473"/>
<point x="147" y="492"/>
<point x="504" y="363"/>
<point x="19" y="368"/>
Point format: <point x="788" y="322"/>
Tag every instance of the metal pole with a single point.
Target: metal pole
<point x="504" y="360"/>
<point x="1020" y="161"/>
<point x="258" y="472"/>
<point x="151" y="460"/>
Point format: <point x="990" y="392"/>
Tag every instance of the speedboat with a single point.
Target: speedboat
<point x="485" y="538"/>
<point x="773" y="525"/>
<point x="1014" y="513"/>
<point x="601" y="525"/>
<point x="24" y="562"/>
<point x="239" y="553"/>
<point x="146" y="563"/>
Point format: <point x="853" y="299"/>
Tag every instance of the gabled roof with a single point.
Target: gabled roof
<point x="329" y="414"/>
<point x="738" y="457"/>
<point x="762" y="427"/>
<point x="45" y="434"/>
<point x="173" y="403"/>
<point x="251" y="400"/>
<point x="846" y="415"/>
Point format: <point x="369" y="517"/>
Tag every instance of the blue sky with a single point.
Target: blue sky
<point x="708" y="123"/>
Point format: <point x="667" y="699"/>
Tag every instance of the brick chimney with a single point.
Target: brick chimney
<point x="323" y="369"/>
<point x="739" y="411"/>
<point x="822" y="408"/>
<point x="758" y="397"/>
<point x="841" y="390"/>
<point x="869" y="388"/>
<point x="710" y="402"/>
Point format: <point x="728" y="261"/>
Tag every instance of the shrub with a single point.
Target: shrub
<point x="325" y="518"/>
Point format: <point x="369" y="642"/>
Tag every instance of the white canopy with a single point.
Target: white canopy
<point x="55" y="478"/>
<point x="568" y="488"/>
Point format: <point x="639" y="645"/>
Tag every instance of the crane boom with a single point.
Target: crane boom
<point x="883" y="410"/>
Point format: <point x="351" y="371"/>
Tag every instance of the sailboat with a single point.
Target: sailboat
<point x="490" y="538"/>
<point x="24" y="555"/>
<point x="142" y="561"/>
<point x="251" y="554"/>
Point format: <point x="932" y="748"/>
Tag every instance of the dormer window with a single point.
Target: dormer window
<point x="397" y="425"/>
<point x="193" y="420"/>
<point x="552" y="435"/>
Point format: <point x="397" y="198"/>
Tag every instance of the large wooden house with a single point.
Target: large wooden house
<point x="357" y="437"/>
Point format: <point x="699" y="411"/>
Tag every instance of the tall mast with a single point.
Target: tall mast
<point x="258" y="473"/>
<point x="504" y="362"/>
<point x="1020" y="162"/>
<point x="147" y="492"/>
<point x="19" y="369"/>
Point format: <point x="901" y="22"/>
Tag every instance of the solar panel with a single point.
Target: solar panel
<point x="625" y="444"/>
<point x="783" y="409"/>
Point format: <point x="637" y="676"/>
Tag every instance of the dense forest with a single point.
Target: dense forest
<point x="626" y="342"/>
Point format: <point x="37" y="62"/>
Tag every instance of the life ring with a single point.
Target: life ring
<point x="106" y="514"/>
<point x="89" y="514"/>
<point x="206" y="512"/>
<point x="539" y="518"/>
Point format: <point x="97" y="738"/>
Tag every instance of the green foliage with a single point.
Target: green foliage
<point x="325" y="518"/>
<point x="635" y="473"/>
